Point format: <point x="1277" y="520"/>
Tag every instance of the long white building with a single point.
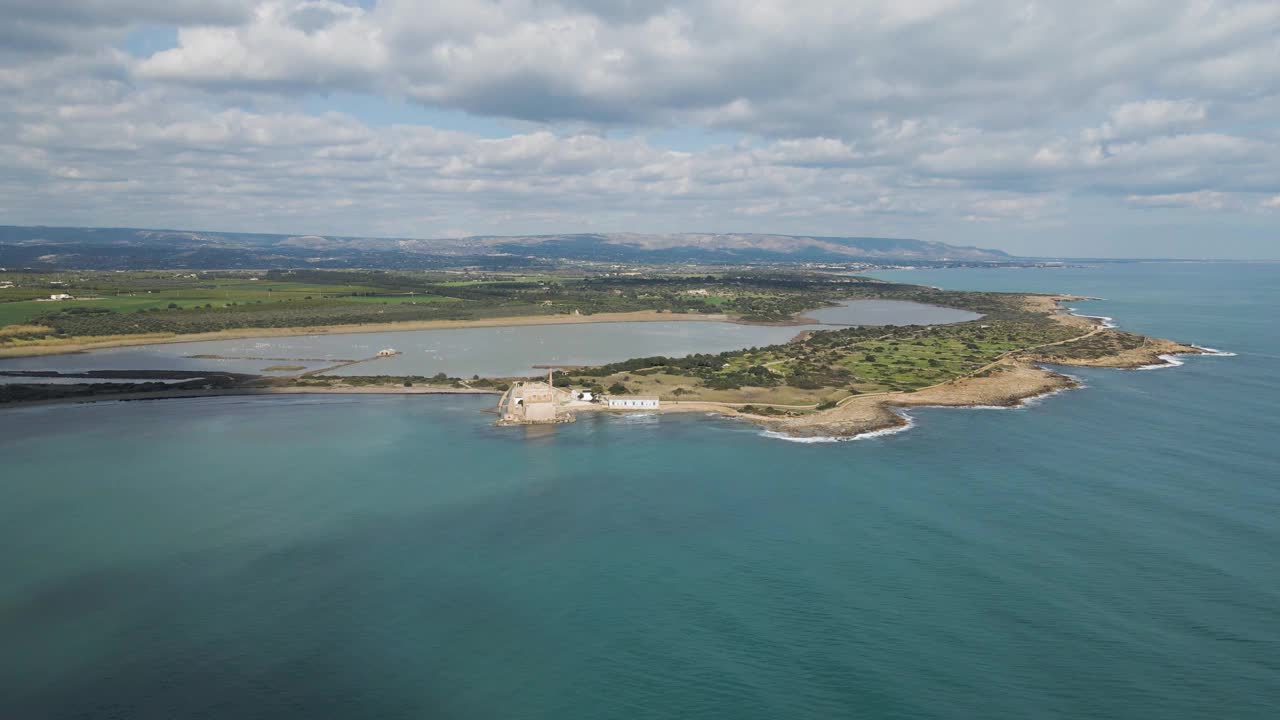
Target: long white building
<point x="633" y="403"/>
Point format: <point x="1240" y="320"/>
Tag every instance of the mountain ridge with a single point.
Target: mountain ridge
<point x="96" y="247"/>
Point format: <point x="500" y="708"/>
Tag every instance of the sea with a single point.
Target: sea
<point x="1108" y="552"/>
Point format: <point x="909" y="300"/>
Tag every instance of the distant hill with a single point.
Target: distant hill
<point x="124" y="248"/>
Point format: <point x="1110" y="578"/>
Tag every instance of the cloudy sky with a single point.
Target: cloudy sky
<point x="1087" y="128"/>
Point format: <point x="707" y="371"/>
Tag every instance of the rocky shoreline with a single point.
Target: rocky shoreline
<point x="1011" y="382"/>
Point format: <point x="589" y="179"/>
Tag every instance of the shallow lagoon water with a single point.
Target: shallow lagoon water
<point x="170" y="356"/>
<point x="889" y="312"/>
<point x="1107" y="553"/>
<point x="487" y="351"/>
<point x="22" y="380"/>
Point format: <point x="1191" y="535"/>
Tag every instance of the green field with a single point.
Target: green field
<point x="133" y="292"/>
<point x="128" y="303"/>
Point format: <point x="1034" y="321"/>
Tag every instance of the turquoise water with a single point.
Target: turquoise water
<point x="1108" y="553"/>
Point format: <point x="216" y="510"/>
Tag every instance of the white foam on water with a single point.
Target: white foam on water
<point x="1035" y="400"/>
<point x="910" y="423"/>
<point x="1023" y="404"/>
<point x="1107" y="321"/>
<point x="1170" y="361"/>
<point x="1214" y="352"/>
<point x="804" y="440"/>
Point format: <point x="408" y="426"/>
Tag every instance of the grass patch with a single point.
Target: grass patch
<point x="32" y="331"/>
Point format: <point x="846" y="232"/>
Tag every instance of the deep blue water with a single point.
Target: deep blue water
<point x="1108" y="553"/>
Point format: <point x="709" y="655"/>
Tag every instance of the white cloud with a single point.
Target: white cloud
<point x="1200" y="199"/>
<point x="309" y="44"/>
<point x="1149" y="117"/>
<point x="773" y="66"/>
<point x="874" y="117"/>
<point x="54" y="27"/>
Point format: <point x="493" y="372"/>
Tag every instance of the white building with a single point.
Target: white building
<point x="633" y="403"/>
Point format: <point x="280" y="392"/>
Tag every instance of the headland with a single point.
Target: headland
<point x="840" y="382"/>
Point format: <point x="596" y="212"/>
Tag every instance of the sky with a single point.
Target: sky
<point x="1091" y="128"/>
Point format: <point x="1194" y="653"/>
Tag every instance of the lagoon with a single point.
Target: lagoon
<point x="487" y="351"/>
<point x="889" y="312"/>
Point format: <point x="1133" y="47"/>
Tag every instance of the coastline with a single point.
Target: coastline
<point x="1013" y="381"/>
<point x="1010" y="381"/>
<point x="1013" y="385"/>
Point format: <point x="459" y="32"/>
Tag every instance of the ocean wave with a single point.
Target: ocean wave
<point x="1107" y="321"/>
<point x="1022" y="404"/>
<point x="1213" y="352"/>
<point x="1035" y="400"/>
<point x="804" y="440"/>
<point x="1170" y="361"/>
<point x="910" y="423"/>
<point x="808" y="440"/>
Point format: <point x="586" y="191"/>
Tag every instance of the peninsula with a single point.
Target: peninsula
<point x="836" y="381"/>
<point x="853" y="381"/>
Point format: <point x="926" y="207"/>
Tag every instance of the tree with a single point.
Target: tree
<point x="618" y="389"/>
